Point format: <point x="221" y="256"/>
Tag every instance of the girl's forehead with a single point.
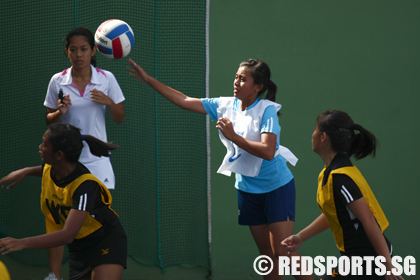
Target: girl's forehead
<point x="243" y="70"/>
<point x="45" y="136"/>
<point x="78" y="39"/>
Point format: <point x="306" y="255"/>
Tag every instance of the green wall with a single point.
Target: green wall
<point x="358" y="56"/>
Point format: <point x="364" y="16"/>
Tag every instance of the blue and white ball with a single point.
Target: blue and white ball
<point x="114" y="39"/>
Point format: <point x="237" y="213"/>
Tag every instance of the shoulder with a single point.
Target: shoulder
<point x="264" y="104"/>
<point x="345" y="187"/>
<point x="227" y="101"/>
<point x="209" y="103"/>
<point x="87" y="191"/>
<point x="61" y="75"/>
<point x="102" y="73"/>
<point x="269" y="112"/>
<point x="87" y="180"/>
<point x="87" y="186"/>
<point x="102" y="76"/>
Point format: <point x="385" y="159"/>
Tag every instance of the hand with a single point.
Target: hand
<point x="15" y="177"/>
<point x="292" y="243"/>
<point x="390" y="267"/>
<point x="137" y="72"/>
<point x="8" y="245"/>
<point x="99" y="97"/>
<point x="63" y="107"/>
<point x="226" y="127"/>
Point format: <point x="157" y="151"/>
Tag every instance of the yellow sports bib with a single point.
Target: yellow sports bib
<point x="56" y="202"/>
<point x="325" y="199"/>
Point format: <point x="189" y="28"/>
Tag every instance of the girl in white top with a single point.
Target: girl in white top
<point x="88" y="91"/>
<point x="249" y="129"/>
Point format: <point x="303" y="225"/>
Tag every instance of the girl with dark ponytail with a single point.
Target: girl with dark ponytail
<point x="249" y="128"/>
<point x="349" y="207"/>
<point x="346" y="136"/>
<point x="261" y="74"/>
<point x="67" y="138"/>
<point x="76" y="205"/>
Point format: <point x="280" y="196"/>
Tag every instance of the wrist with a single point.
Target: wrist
<point x="302" y="236"/>
<point x="58" y="113"/>
<point x="299" y="235"/>
<point x="25" y="243"/>
<point x="235" y="138"/>
<point x="388" y="264"/>
<point x="110" y="102"/>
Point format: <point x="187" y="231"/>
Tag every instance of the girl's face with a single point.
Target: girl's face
<point x="244" y="87"/>
<point x="46" y="150"/>
<point x="316" y="139"/>
<point x="80" y="52"/>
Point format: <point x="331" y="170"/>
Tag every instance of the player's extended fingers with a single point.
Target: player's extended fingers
<point x="67" y="100"/>
<point x="132" y="63"/>
<point x="135" y="66"/>
<point x="3" y="181"/>
<point x="222" y="121"/>
<point x="12" y="185"/>
<point x="3" y="246"/>
<point x="285" y="242"/>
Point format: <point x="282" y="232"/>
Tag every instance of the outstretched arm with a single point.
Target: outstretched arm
<point x="17" y="176"/>
<point x="293" y="242"/>
<point x="72" y="226"/>
<point x="174" y="96"/>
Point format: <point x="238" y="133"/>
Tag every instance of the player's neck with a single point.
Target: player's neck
<point x="64" y="169"/>
<point x="328" y="157"/>
<point x="82" y="74"/>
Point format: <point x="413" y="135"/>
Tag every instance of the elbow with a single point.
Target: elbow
<point x="48" y="121"/>
<point x="120" y="121"/>
<point x="269" y="156"/>
<point x="68" y="241"/>
<point x="121" y="118"/>
<point x="68" y="238"/>
<point x="182" y="105"/>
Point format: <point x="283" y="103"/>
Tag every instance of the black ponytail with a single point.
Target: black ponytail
<point x="98" y="147"/>
<point x="364" y="143"/>
<point x="67" y="138"/>
<point x="271" y="91"/>
<point x="342" y="132"/>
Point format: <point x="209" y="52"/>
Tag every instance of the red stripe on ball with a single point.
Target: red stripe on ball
<point x="117" y="48"/>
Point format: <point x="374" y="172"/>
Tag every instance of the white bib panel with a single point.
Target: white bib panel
<point x="246" y="124"/>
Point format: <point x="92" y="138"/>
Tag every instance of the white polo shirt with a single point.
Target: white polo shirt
<point x="84" y="113"/>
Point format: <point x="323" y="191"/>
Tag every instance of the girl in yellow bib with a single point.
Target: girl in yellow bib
<point x="349" y="207"/>
<point x="76" y="205"/>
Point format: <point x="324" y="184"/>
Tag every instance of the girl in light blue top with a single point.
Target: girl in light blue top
<point x="249" y="128"/>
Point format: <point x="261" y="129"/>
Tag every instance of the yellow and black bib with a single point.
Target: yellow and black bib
<point x="326" y="202"/>
<point x="56" y="202"/>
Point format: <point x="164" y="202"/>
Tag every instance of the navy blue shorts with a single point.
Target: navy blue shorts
<point x="267" y="208"/>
